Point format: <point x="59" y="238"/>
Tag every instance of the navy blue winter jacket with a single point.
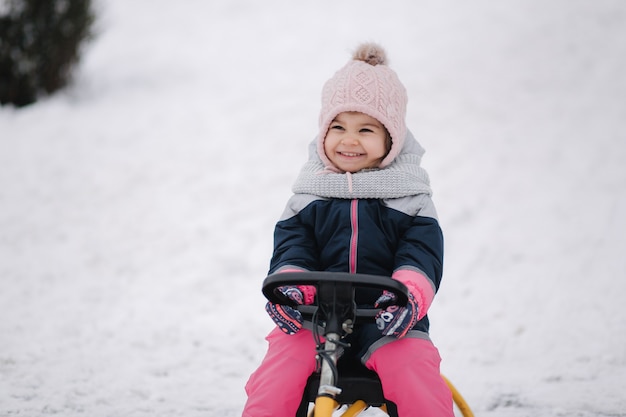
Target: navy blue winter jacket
<point x="359" y="236"/>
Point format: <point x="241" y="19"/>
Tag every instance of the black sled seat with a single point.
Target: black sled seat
<point x="357" y="383"/>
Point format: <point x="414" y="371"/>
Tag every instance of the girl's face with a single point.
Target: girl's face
<point x="356" y="141"/>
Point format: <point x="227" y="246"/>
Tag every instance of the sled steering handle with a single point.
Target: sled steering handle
<point x="314" y="278"/>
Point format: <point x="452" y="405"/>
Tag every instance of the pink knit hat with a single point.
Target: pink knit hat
<point x="367" y="85"/>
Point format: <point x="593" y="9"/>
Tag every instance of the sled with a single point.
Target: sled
<point x="347" y="386"/>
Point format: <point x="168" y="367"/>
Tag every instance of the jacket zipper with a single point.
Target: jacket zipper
<point x="354" y="238"/>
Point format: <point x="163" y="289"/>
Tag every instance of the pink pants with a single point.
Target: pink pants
<point x="408" y="370"/>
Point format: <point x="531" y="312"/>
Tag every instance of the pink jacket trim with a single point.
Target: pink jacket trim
<point x="420" y="286"/>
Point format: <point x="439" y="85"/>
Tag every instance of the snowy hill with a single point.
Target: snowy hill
<point x="137" y="207"/>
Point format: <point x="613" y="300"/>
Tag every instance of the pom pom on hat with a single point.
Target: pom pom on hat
<point x="370" y="53"/>
<point x="367" y="85"/>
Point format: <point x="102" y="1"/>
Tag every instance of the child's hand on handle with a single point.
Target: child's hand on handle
<point x="393" y="320"/>
<point x="288" y="319"/>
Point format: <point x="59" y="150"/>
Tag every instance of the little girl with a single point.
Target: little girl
<point x="361" y="204"/>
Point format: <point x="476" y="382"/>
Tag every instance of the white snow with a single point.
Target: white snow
<point x="137" y="206"/>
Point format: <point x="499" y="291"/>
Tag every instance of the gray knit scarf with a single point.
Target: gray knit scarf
<point x="403" y="177"/>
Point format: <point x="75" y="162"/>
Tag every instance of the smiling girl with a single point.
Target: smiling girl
<point x="361" y="204"/>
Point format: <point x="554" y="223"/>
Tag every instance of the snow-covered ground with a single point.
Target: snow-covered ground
<point x="137" y="207"/>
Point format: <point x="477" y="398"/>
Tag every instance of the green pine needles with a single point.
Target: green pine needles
<point x="40" y="42"/>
